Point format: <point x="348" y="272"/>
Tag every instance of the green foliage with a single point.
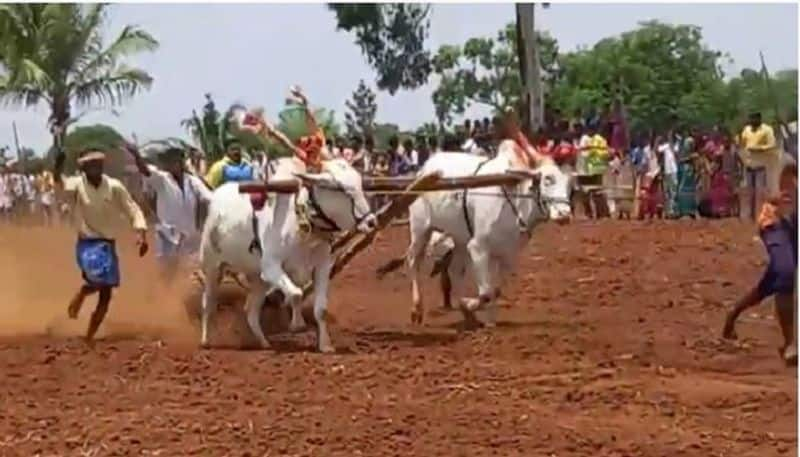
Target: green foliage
<point x="360" y="121"/>
<point x="100" y="137"/>
<point x="382" y="134"/>
<point x="664" y="75"/>
<point x="54" y="53"/>
<point x="484" y="71"/>
<point x="392" y="38"/>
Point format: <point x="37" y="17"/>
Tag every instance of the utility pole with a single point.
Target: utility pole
<point x="528" y="54"/>
<point x="16" y="144"/>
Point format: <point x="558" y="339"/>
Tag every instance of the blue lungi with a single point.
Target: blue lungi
<point x="98" y="261"/>
<point x="780" y="240"/>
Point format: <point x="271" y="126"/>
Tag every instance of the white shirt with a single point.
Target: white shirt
<point x="413" y="157"/>
<point x="652" y="162"/>
<point x="470" y="146"/>
<point x="670" y="164"/>
<point x="580" y="161"/>
<point x="176" y="209"/>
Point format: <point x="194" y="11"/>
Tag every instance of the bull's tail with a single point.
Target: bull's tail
<point x="389" y="267"/>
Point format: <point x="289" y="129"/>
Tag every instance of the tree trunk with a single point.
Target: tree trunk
<point x="528" y="53"/>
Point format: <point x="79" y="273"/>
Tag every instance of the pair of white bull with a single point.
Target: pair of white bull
<point x="483" y="225"/>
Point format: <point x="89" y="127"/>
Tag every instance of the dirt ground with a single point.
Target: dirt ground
<point x="607" y="346"/>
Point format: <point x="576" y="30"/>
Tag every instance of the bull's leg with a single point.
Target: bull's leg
<point x="253" y="305"/>
<point x="481" y="266"/>
<point x="502" y="268"/>
<point x="453" y="278"/>
<point x="321" y="280"/>
<point x="209" y="302"/>
<point x="420" y="235"/>
<point x="272" y="273"/>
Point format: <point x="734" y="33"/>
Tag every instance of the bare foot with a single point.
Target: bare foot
<point x="729" y="332"/>
<point x="75" y="306"/>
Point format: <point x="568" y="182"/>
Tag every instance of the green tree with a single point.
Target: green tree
<point x="485" y="71"/>
<point x="392" y="38"/>
<point x="660" y="72"/>
<point x="101" y="137"/>
<point x="208" y="130"/>
<point x="360" y="121"/>
<point x="54" y="53"/>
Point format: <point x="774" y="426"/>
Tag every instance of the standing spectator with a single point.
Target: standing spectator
<point x="467" y="133"/>
<point x="361" y="158"/>
<point x="670" y="172"/>
<point x="686" y="195"/>
<point x="618" y="140"/>
<point x="424" y="150"/>
<point x="759" y="149"/>
<point x="651" y="195"/>
<point x="47" y="197"/>
<point x="583" y="139"/>
<point x="398" y="162"/>
<point x="411" y="154"/>
<point x="597" y="152"/>
<point x="433" y="145"/>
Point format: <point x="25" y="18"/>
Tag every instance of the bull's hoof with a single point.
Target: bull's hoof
<point x="416" y="317"/>
<point x="326" y="349"/>
<point x="471" y="321"/>
<point x="297" y="327"/>
<point x="205" y="345"/>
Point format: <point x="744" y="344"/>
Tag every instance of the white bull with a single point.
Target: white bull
<point x="484" y="226"/>
<point x="294" y="233"/>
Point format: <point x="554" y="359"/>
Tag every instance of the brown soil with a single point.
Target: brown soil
<point x="607" y="346"/>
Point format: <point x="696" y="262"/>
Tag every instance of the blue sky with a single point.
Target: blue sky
<point x="251" y="53"/>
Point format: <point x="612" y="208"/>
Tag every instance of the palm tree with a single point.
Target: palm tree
<point x="54" y="53"/>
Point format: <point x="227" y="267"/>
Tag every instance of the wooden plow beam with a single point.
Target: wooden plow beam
<point x="344" y="254"/>
<point x="377" y="185"/>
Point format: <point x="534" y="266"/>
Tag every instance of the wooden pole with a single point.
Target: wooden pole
<point x="289" y="186"/>
<point x="385" y="216"/>
<point x="16" y="144"/>
<point x="528" y="53"/>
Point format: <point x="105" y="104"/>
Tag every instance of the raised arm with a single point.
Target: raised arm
<point x="141" y="165"/>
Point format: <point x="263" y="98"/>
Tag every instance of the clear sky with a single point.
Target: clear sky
<point x="251" y="53"/>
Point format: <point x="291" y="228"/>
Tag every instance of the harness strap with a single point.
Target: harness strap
<point x="255" y="245"/>
<point x="514" y="209"/>
<point x="467" y="219"/>
<point x="319" y="213"/>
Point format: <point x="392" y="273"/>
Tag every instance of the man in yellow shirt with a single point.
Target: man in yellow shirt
<point x="231" y="168"/>
<point x="760" y="150"/>
<point x="97" y="200"/>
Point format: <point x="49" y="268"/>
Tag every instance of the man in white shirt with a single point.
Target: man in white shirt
<point x="178" y="194"/>
<point x="666" y="151"/>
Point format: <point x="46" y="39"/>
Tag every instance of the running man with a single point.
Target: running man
<point x="97" y="200"/>
<point x="178" y="194"/>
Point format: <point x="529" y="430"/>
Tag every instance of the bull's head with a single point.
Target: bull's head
<point x="548" y="184"/>
<point x="339" y="197"/>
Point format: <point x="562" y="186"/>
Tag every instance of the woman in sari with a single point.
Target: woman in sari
<point x="686" y="196"/>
